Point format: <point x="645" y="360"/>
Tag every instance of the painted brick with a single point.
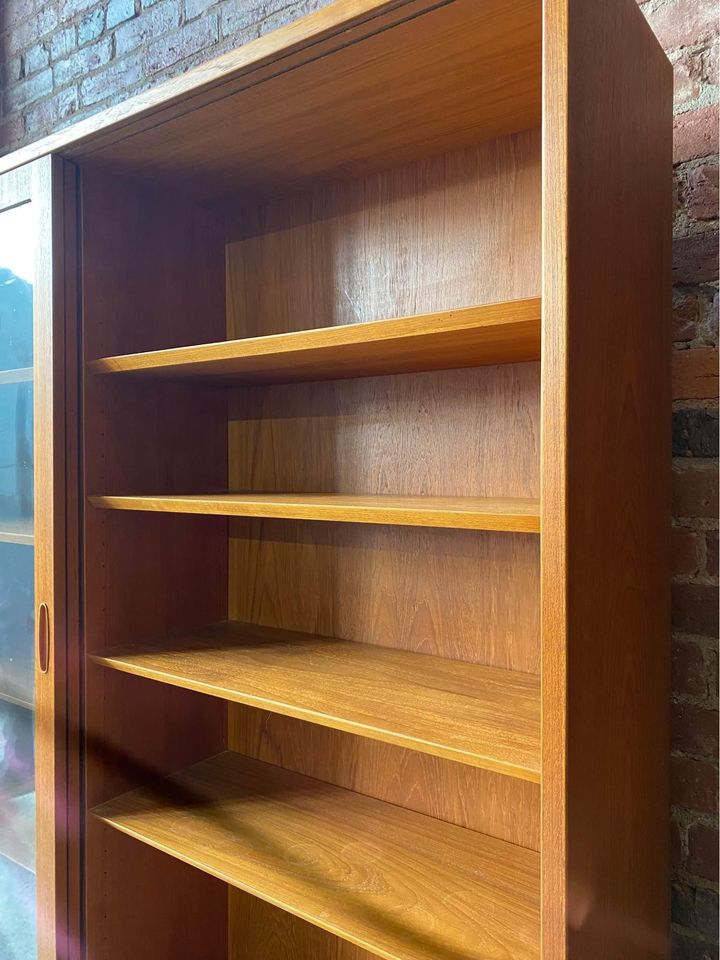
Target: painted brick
<point x="52" y="112"/>
<point x="695" y="134"/>
<point x="91" y="26"/>
<point x="695" y="488"/>
<point x="126" y="73"/>
<point x="238" y="16"/>
<point x="695" y="730"/>
<point x="702" y="858"/>
<point x="695" y="433"/>
<point x="688" y="669"/>
<point x="695" y="257"/>
<point x="118" y="11"/>
<point x="694" y="784"/>
<point x="83" y="62"/>
<point x="63" y="42"/>
<point x="695" y="374"/>
<point x="71" y="8"/>
<point x="194" y="8"/>
<point x="160" y="19"/>
<point x="183" y="43"/>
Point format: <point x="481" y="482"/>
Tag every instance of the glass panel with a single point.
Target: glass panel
<point x="17" y="603"/>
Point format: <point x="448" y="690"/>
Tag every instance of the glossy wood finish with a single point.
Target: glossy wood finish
<point x="461" y="513"/>
<point x="487" y="334"/>
<point x="367" y="871"/>
<point x="483" y="716"/>
<point x="606" y="506"/>
<point x="147" y="573"/>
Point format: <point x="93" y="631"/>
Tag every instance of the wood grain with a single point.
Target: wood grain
<point x="461" y="513"/>
<point x="367" y="871"/>
<point x="483" y="716"/>
<point x="606" y="505"/>
<point x="487" y="334"/>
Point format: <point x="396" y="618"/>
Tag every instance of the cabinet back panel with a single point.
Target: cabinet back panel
<point x="459" y="229"/>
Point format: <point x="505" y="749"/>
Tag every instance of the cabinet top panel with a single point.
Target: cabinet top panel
<point x="356" y="86"/>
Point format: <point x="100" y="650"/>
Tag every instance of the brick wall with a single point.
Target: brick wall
<point x="65" y="59"/>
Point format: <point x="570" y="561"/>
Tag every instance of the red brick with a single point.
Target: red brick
<point x="683" y="23"/>
<point x="689" y="310"/>
<point x="695" y="374"/>
<point x="688" y="669"/>
<point x="695" y="729"/>
<point x="702" y="858"/>
<point x="695" y="489"/>
<point x="694" y="784"/>
<point x="695" y="134"/>
<point x="695" y="257"/>
<point x="711" y="547"/>
<point x="688" y="70"/>
<point x="685" y="561"/>
<point x="702" y="192"/>
<point x="695" y="608"/>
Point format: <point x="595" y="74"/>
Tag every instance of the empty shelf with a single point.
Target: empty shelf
<point x="482" y="716"/>
<point x="17" y="531"/>
<point x="467" y="513"/>
<point x="399" y="884"/>
<point x="506" y="332"/>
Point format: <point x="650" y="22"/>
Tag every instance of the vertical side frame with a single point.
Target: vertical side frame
<point x="607" y="181"/>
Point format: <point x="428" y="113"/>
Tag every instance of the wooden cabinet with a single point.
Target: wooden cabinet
<point x="357" y="504"/>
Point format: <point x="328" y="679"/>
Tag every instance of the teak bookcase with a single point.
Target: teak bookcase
<point x="364" y="363"/>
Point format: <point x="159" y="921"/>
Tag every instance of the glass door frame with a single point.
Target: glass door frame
<point x="48" y="183"/>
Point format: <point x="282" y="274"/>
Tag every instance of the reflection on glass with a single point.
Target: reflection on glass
<point x="17" y="605"/>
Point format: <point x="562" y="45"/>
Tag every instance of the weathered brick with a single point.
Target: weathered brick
<point x="694" y="784"/>
<point x="118" y="11"/>
<point x="83" y="62"/>
<point x="91" y="26"/>
<point x="681" y="23"/>
<point x="688" y="76"/>
<point x="695" y="488"/>
<point x="695" y="257"/>
<point x="183" y="43"/>
<point x="122" y="75"/>
<point x="695" y="729"/>
<point x="63" y="42"/>
<point x="695" y="608"/>
<point x="695" y="134"/>
<point x="689" y="948"/>
<point x="237" y="17"/>
<point x="195" y="8"/>
<point x="695" y="374"/>
<point x="25" y="92"/>
<point x="36" y="58"/>
<point x="51" y="113"/>
<point x="685" y="557"/>
<point x="688" y="669"/>
<point x="676" y="845"/>
<point x="702" y="192"/>
<point x="694" y="314"/>
<point x="702" y="858"/>
<point x="71" y="8"/>
<point x="695" y="432"/>
<point x="706" y="914"/>
<point x="682" y="908"/>
<point x="711" y="551"/>
<point x="159" y="20"/>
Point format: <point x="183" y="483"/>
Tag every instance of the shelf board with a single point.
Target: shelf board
<point x="514" y="515"/>
<point x="17" y="830"/>
<point x="17" y="531"/>
<point x="17" y="701"/>
<point x="396" y="883"/>
<point x="506" y="332"/>
<point x="19" y="375"/>
<point x="482" y="716"/>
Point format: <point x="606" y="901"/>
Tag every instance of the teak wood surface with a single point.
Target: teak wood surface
<point x="482" y="716"/>
<point x="461" y="513"/>
<point x="486" y="334"/>
<point x="370" y="872"/>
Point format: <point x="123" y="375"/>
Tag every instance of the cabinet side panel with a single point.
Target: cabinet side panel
<point x="605" y="475"/>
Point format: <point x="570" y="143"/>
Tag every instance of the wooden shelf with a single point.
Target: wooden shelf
<point x="494" y="333"/>
<point x="467" y="513"/>
<point x="17" y="531"/>
<point x="399" y="884"/>
<point x="19" y="375"/>
<point x="481" y="716"/>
